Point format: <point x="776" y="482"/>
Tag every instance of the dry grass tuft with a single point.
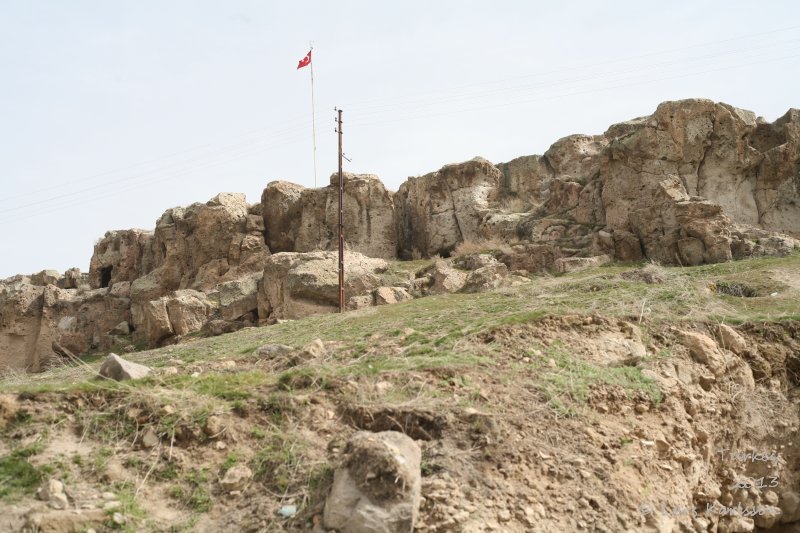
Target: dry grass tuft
<point x="483" y="246"/>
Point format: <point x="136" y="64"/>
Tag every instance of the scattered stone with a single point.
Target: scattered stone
<point x="486" y="278"/>
<point x="704" y="350"/>
<point x="768" y="517"/>
<point x="390" y="295"/>
<point x="64" y="521"/>
<point x="123" y="328"/>
<point x="790" y="506"/>
<point x="53" y="493"/>
<point x="736" y="524"/>
<point x="116" y="368"/>
<point x="382" y="387"/>
<point x="445" y="278"/>
<point x="236" y="478"/>
<point x="214" y="426"/>
<point x="377" y="487"/>
<point x="576" y="264"/>
<point x="150" y="439"/>
<point x="269" y="351"/>
<point x="111" y="505"/>
<point x="287" y="511"/>
<point x="9" y="407"/>
<point x="218" y="327"/>
<point x="730" y="339"/>
<point x="313" y="350"/>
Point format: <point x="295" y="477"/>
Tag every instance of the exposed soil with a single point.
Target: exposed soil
<point x="501" y="450"/>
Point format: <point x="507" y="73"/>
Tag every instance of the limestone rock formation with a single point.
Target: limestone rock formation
<point x="120" y="256"/>
<point x="35" y="318"/>
<point x="157" y="321"/>
<point x="304" y="220"/>
<point x="302" y="284"/>
<point x="437" y="211"/>
<point x="202" y="245"/>
<point x="695" y="182"/>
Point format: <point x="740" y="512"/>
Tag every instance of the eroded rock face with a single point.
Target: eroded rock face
<point x="120" y="256"/>
<point x="184" y="311"/>
<point x="202" y="245"/>
<point x="695" y="182"/>
<point x="438" y="211"/>
<point x="37" y="323"/>
<point x="720" y="154"/>
<point x="304" y="220"/>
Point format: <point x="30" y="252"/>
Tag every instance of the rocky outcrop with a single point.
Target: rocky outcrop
<point x="695" y="182"/>
<point x="720" y="154"/>
<point x="438" y="211"/>
<point x="36" y="322"/>
<point x="158" y="321"/>
<point x="304" y="220"/>
<point x="199" y="246"/>
<point x="120" y="256"/>
<point x="302" y="284"/>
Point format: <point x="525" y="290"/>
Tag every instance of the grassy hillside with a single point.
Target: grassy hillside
<point x="459" y="372"/>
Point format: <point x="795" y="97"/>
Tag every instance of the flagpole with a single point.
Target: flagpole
<point x="313" y="119"/>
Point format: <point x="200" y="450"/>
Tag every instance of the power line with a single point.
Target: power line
<point x="590" y="65"/>
<point x="523" y="99"/>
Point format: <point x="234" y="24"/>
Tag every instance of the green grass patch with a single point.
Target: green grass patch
<point x="18" y="476"/>
<point x="277" y="462"/>
<point x="569" y="384"/>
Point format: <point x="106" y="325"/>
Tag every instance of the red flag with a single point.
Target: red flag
<point x="305" y="61"/>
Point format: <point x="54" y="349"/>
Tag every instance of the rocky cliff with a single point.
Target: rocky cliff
<point x="696" y="182"/>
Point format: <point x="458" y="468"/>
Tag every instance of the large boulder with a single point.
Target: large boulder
<point x="377" y="487"/>
<point x="301" y="284"/>
<point x="237" y="298"/>
<point x="282" y="209"/>
<point x="182" y="312"/>
<point x="304" y="220"/>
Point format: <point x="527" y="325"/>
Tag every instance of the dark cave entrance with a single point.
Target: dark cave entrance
<point x="105" y="276"/>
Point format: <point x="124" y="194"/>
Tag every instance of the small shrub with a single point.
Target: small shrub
<point x="483" y="246"/>
<point x="733" y="288"/>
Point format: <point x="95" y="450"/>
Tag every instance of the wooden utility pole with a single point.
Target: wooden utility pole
<point x="341" y="216"/>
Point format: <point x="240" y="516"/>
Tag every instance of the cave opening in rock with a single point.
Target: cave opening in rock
<point x="105" y="276"/>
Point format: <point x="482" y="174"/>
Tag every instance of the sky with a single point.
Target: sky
<point x="113" y="111"/>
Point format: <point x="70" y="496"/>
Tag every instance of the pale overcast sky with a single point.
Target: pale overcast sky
<point x="112" y="111"/>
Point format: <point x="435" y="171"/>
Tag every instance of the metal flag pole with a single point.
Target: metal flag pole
<point x="313" y="118"/>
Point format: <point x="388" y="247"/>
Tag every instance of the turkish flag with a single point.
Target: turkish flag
<point x="305" y="61"/>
